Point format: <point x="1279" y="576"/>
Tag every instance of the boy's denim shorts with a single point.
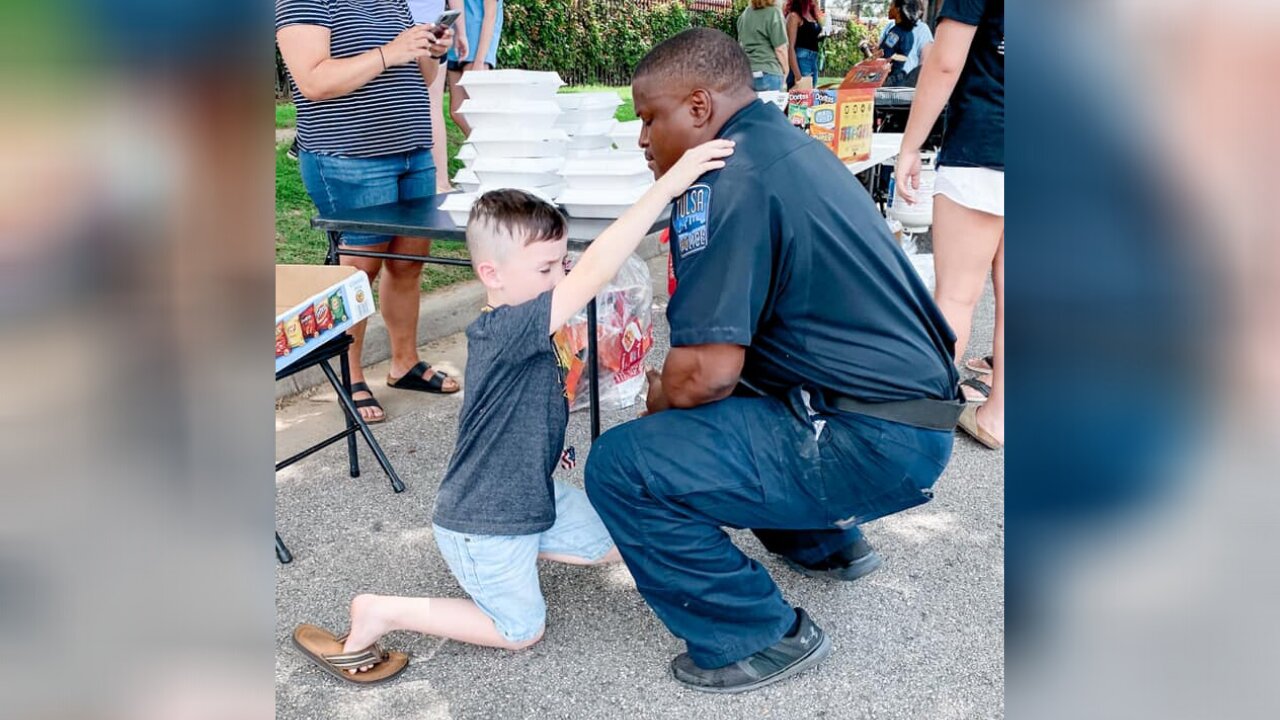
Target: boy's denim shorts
<point x="336" y="183"/>
<point x="500" y="572"/>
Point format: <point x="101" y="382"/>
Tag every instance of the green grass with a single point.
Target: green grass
<point x="286" y="115"/>
<point x="298" y="243"/>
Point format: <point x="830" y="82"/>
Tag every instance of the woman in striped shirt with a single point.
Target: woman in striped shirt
<point x="360" y="71"/>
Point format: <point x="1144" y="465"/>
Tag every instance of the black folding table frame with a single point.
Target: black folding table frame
<point x="336" y="348"/>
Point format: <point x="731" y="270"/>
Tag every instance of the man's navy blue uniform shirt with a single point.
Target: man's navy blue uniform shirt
<point x="784" y="253"/>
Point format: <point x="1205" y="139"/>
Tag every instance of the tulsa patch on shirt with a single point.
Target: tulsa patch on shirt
<point x="690" y="220"/>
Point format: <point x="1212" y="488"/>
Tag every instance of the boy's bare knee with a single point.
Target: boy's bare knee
<point x="526" y="643"/>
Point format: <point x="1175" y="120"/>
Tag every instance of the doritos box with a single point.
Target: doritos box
<point x="841" y="117"/>
<point x="300" y="289"/>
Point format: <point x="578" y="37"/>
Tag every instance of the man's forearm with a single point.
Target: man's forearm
<point x="688" y="380"/>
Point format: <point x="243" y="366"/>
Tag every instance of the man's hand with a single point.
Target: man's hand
<point x="656" y="400"/>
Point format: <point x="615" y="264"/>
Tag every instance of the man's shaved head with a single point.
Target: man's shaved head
<point x="702" y="57"/>
<point x="685" y="90"/>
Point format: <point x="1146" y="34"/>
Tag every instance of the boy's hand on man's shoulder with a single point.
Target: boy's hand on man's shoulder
<point x="695" y="163"/>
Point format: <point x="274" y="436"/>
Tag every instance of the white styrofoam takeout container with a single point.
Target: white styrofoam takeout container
<point x="511" y="85"/>
<point x="600" y="203"/>
<point x="614" y="171"/>
<point x="571" y="102"/>
<point x="458" y="207"/>
<point x="627" y="136"/>
<point x="466" y="152"/>
<point x="518" y="142"/>
<point x="467" y="180"/>
<point x="518" y="172"/>
<point x="511" y="115"/>
<point x="545" y="192"/>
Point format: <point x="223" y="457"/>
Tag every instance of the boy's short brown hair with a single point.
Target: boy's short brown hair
<point x="500" y="218"/>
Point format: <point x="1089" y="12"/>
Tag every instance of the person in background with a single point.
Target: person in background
<point x="804" y="33"/>
<point x="427" y="11"/>
<point x="904" y="42"/>
<point x="763" y="36"/>
<point x="966" y="69"/>
<point x="360" y="71"/>
<point x="478" y="52"/>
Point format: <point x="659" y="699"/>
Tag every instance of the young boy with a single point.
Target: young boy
<point x="498" y="510"/>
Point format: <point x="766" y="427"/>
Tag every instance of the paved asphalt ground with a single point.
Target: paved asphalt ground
<point x="920" y="638"/>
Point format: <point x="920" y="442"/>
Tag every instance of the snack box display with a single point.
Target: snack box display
<point x="518" y="142"/>
<point x="841" y="117"/>
<point x="499" y="86"/>
<point x="510" y="114"/>
<point x="316" y="303"/>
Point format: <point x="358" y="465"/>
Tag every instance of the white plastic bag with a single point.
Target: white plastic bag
<point x="624" y="334"/>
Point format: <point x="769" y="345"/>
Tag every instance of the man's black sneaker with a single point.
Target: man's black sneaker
<point x="847" y="564"/>
<point x="801" y="650"/>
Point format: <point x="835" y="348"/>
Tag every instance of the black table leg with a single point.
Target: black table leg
<point x="335" y="238"/>
<point x="282" y="552"/>
<point x="593" y="367"/>
<point x="349" y="406"/>
<point x="352" y="451"/>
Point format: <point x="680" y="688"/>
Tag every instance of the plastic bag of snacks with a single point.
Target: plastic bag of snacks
<point x="624" y="336"/>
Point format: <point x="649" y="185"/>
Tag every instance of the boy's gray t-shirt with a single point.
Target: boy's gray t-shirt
<point x="511" y="430"/>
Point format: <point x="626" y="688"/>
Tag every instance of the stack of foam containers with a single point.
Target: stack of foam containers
<point x="513" y="142"/>
<point x="588" y="120"/>
<point x="603" y="184"/>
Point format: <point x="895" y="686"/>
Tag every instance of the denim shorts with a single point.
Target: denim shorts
<point x="500" y="572"/>
<point x="336" y="183"/>
<point x="767" y="81"/>
<point x="808" y="61"/>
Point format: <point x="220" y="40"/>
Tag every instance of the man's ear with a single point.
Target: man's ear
<point x="700" y="107"/>
<point x="488" y="274"/>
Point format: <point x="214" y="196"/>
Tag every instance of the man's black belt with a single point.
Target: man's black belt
<point x="920" y="412"/>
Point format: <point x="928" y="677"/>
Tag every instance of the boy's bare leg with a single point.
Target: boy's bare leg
<point x="613" y="556"/>
<point x="373" y="616"/>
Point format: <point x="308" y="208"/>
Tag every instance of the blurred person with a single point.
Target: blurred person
<point x="967" y="66"/>
<point x="426" y="11"/>
<point x="904" y="42"/>
<point x="763" y="36"/>
<point x="499" y="509"/>
<point x="804" y="345"/>
<point x="476" y="53"/>
<point x="360" y="71"/>
<point x="804" y="35"/>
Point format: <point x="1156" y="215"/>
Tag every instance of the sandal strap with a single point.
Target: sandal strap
<point x="978" y="385"/>
<point x="360" y="387"/>
<point x="371" y="655"/>
<point x="368" y="402"/>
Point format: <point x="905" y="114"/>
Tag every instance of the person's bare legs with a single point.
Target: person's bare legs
<point x="965" y="243"/>
<point x="373" y="616"/>
<point x="613" y="556"/>
<point x="991" y="413"/>
<point x="456" y="96"/>
<point x="370" y="266"/>
<point x="400" y="295"/>
<point x="439" y="134"/>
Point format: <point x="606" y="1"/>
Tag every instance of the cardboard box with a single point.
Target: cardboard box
<point x="841" y="117"/>
<point x="316" y="303"/>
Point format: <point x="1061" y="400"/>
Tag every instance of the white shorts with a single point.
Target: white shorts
<point x="976" y="188"/>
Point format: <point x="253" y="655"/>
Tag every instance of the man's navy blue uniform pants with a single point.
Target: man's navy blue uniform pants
<point x="666" y="484"/>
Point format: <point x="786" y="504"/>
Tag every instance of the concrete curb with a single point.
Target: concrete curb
<point x="440" y="314"/>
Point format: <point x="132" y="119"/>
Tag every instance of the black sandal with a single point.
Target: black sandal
<point x="367" y="402"/>
<point x="982" y="388"/>
<point x="415" y="380"/>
